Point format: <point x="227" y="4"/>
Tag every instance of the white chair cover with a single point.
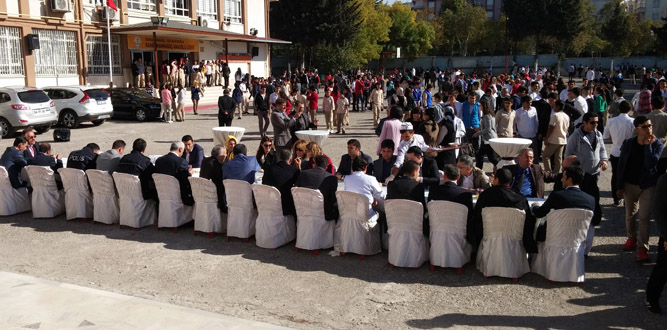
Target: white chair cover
<point x="105" y="199"/>
<point x="47" y="200"/>
<point x="448" y="223"/>
<point x="590" y="235"/>
<point x="172" y="212"/>
<point x="78" y="199"/>
<point x="561" y="255"/>
<point x="135" y="211"/>
<point x="241" y="214"/>
<point x="207" y="214"/>
<point x="356" y="231"/>
<point x="407" y="245"/>
<point x="501" y="252"/>
<point x="313" y="231"/>
<point x="12" y="201"/>
<point x="273" y="228"/>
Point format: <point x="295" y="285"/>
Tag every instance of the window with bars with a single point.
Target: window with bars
<point x="207" y="8"/>
<point x="177" y="7"/>
<point x="98" y="55"/>
<point x="144" y="5"/>
<point x="233" y="11"/>
<point x="57" y="53"/>
<point x="11" y="61"/>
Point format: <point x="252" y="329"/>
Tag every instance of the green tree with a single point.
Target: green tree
<point x="661" y="34"/>
<point x="373" y="31"/>
<point x="464" y="28"/>
<point x="617" y="26"/>
<point x="453" y="5"/>
<point x="412" y="36"/>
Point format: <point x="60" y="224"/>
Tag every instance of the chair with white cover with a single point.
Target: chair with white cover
<point x="208" y="216"/>
<point x="78" y="199"/>
<point x="135" y="211"/>
<point x="501" y="252"/>
<point x="105" y="199"/>
<point x="241" y="213"/>
<point x="272" y="229"/>
<point x="172" y="212"/>
<point x="313" y="231"/>
<point x="407" y="245"/>
<point x="561" y="255"/>
<point x="12" y="201"/>
<point x="356" y="231"/>
<point x="47" y="200"/>
<point x="448" y="222"/>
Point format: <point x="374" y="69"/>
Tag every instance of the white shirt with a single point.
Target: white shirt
<point x="582" y="107"/>
<point x="417" y="140"/>
<point x="618" y="129"/>
<point x="243" y="88"/>
<point x="590" y="75"/>
<point x="535" y="96"/>
<point x="362" y="183"/>
<point x="526" y="122"/>
<point x="563" y="95"/>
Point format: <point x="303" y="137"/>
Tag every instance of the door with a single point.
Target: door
<point x="177" y="56"/>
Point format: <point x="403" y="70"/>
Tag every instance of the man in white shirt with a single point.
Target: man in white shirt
<point x="535" y="91"/>
<point x="556" y="139"/>
<point x="452" y="102"/>
<point x="408" y="139"/>
<point x="364" y="184"/>
<point x="580" y="104"/>
<point x="526" y="122"/>
<point x="619" y="129"/>
<point x="273" y="97"/>
<point x="564" y="93"/>
<point x="590" y="74"/>
<point x="246" y="95"/>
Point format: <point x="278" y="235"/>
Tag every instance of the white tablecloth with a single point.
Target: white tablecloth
<point x="314" y="136"/>
<point x="508" y="148"/>
<point x="220" y="134"/>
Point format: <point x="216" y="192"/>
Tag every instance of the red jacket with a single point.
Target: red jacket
<point x="312" y="100"/>
<point x="359" y="87"/>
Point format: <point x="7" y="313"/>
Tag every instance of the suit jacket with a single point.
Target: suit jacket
<point x="13" y="161"/>
<point x="27" y="154"/>
<point x="211" y="169"/>
<point x="171" y="164"/>
<point x="378" y="168"/>
<point x="281" y="128"/>
<point x="479" y="179"/>
<point x="452" y="193"/>
<point x="196" y="156"/>
<point x="502" y="197"/>
<point x="283" y="177"/>
<point x="572" y="197"/>
<point x="327" y="183"/>
<point x="537" y="176"/>
<point x="261" y="103"/>
<point x="345" y="167"/>
<point x="404" y="187"/>
<point x="136" y="163"/>
<point x="42" y="159"/>
<point x="429" y="172"/>
<point x="226" y="107"/>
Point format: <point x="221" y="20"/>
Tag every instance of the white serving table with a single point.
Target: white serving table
<point x="220" y="134"/>
<point x="508" y="149"/>
<point x="312" y="136"/>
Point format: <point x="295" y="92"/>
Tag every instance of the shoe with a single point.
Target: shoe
<point x="653" y="308"/>
<point x="642" y="255"/>
<point x="238" y="118"/>
<point x="630" y="244"/>
<point x="343" y="132"/>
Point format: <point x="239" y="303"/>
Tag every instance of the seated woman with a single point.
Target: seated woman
<point x="230" y="142"/>
<point x="266" y="153"/>
<point x="313" y="150"/>
<point x="299" y="151"/>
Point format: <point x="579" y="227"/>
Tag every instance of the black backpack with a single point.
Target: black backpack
<point x="61" y="134"/>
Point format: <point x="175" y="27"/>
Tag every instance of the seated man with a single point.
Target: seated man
<point x="109" y="160"/>
<point x="408" y="139"/>
<point x="193" y="153"/>
<point x="211" y="168"/>
<point x="30" y="151"/>
<point x="325" y="182"/>
<point x="471" y="178"/>
<point x="501" y="195"/>
<point x="364" y="184"/>
<point x="241" y="167"/>
<point x="353" y="152"/>
<point x="136" y="163"/>
<point x="408" y="186"/>
<point x="570" y="197"/>
<point x="451" y="192"/>
<point x="85" y="158"/>
<point x="45" y="158"/>
<point x="527" y="178"/>
<point x="282" y="175"/>
<point x="429" y="174"/>
<point x="383" y="165"/>
<point x="172" y="164"/>
<point x="12" y="160"/>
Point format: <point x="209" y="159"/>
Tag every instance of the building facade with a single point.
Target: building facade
<point x="648" y="9"/>
<point x="65" y="42"/>
<point x="493" y="7"/>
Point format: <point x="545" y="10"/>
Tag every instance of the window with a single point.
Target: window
<point x="233" y="11"/>
<point x="145" y="5"/>
<point x="57" y="53"/>
<point x="177" y="7"/>
<point x="656" y="17"/>
<point x="656" y="3"/>
<point x="11" y="61"/>
<point x="207" y="8"/>
<point x="98" y="55"/>
<point x="431" y="4"/>
<point x="489" y="3"/>
<point x="489" y="14"/>
<point x="4" y="97"/>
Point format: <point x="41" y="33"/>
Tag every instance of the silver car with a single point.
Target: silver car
<point x="21" y="107"/>
<point x="77" y="104"/>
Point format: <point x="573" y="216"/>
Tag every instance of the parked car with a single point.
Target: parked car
<point x="21" y="107"/>
<point x="77" y="104"/>
<point x="134" y="103"/>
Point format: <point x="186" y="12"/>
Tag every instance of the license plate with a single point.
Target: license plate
<point x="103" y="116"/>
<point x="39" y="111"/>
<point x="99" y="102"/>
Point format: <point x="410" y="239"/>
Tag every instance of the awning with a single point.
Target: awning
<point x="174" y="29"/>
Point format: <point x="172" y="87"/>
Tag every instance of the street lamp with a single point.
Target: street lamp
<point x="159" y="20"/>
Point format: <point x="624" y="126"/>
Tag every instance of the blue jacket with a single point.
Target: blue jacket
<point x="196" y="156"/>
<point x="12" y="160"/>
<point x="470" y="115"/>
<point x="649" y="173"/>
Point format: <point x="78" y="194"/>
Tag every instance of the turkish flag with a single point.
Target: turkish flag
<point x="111" y="4"/>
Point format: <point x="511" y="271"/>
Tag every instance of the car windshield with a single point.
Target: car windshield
<point x="33" y="96"/>
<point x="139" y="93"/>
<point x="97" y="94"/>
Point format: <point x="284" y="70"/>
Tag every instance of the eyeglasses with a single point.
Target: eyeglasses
<point x="646" y="126"/>
<point x="267" y="145"/>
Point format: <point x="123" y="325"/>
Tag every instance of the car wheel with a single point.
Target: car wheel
<point x="6" y="128"/>
<point x="98" y="122"/>
<point x="42" y="129"/>
<point x="69" y="119"/>
<point x="141" y="114"/>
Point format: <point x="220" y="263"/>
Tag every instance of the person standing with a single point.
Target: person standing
<point x="262" y="107"/>
<point x="141" y="77"/>
<point x="342" y="108"/>
<point x="487" y="132"/>
<point x="195" y="92"/>
<point x="556" y="138"/>
<point x="376" y="99"/>
<point x="527" y="124"/>
<point x="505" y="118"/>
<point x="659" y="119"/>
<point x="180" y="104"/>
<point x="237" y="96"/>
<point x="619" y="129"/>
<point x="328" y="107"/>
<point x="282" y="138"/>
<point x="658" y="278"/>
<point x="166" y="103"/>
<point x="225" y="109"/>
<point x="312" y="103"/>
<point x="225" y="74"/>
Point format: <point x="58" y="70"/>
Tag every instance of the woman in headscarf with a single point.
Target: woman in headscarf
<point x="230" y="142"/>
<point x="446" y="136"/>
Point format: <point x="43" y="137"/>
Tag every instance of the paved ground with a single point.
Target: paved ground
<point x="301" y="290"/>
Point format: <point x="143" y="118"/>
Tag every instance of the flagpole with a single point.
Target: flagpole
<point x="109" y="44"/>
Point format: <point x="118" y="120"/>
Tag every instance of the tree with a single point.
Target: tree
<point x="661" y="34"/>
<point x="452" y="5"/>
<point x="373" y="30"/>
<point x="617" y="24"/>
<point x="463" y="28"/>
<point x="412" y="36"/>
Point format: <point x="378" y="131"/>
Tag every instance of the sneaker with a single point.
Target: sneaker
<point x="642" y="255"/>
<point x="630" y="244"/>
<point x="653" y="308"/>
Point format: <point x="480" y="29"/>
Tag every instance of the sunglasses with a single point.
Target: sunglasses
<point x="268" y="145"/>
<point x="299" y="149"/>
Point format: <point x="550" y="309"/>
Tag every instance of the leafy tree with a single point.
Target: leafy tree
<point x="661" y="33"/>
<point x="452" y="5"/>
<point x="412" y="36"/>
<point x="373" y="30"/>
<point x="464" y="28"/>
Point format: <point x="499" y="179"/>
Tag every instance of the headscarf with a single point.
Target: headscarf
<point x="230" y="154"/>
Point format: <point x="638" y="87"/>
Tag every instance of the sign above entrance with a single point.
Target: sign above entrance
<point x="146" y="42"/>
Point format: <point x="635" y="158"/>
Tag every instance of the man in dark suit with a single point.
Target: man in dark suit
<point x="570" y="197"/>
<point x="383" y="165"/>
<point x="211" y="168"/>
<point x="172" y="164"/>
<point x="135" y="163"/>
<point x="527" y="178"/>
<point x="261" y="103"/>
<point x="193" y="153"/>
<point x="318" y="178"/>
<point x="353" y="151"/>
<point x="501" y="195"/>
<point x="44" y="158"/>
<point x="407" y="186"/>
<point x="283" y="176"/>
<point x="451" y="192"/>
<point x="429" y="174"/>
<point x="225" y="109"/>
<point x="31" y="149"/>
<point x="85" y="158"/>
<point x="13" y="161"/>
<point x="543" y="117"/>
